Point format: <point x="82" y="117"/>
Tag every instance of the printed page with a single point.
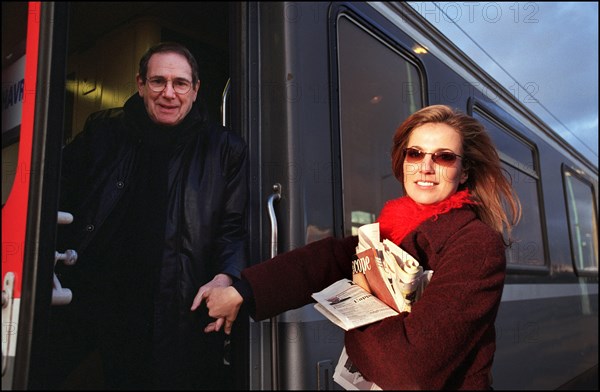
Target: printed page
<point x="349" y="306"/>
<point x="368" y="237"/>
<point x="348" y="376"/>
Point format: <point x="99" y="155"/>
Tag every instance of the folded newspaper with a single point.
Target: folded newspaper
<point x="395" y="277"/>
<point x="349" y="306"/>
<point x="386" y="270"/>
<point x="348" y="376"/>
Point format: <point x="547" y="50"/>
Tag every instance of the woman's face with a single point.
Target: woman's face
<point x="428" y="182"/>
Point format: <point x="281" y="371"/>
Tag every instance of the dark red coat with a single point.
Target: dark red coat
<point x="446" y="342"/>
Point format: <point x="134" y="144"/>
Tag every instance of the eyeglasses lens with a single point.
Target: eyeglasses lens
<point x="179" y="86"/>
<point x="443" y="158"/>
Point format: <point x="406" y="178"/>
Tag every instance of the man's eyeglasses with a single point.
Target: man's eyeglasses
<point x="442" y="158"/>
<point x="180" y="86"/>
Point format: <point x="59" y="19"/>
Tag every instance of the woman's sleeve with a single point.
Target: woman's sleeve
<point x="287" y="281"/>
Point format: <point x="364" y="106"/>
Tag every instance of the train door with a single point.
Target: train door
<point x="59" y="74"/>
<point x="32" y="94"/>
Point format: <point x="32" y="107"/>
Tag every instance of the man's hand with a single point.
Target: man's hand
<point x="223" y="303"/>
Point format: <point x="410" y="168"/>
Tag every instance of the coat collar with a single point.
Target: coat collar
<point x="439" y="230"/>
<point x="144" y="128"/>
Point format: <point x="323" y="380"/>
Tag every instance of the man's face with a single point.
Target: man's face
<point x="168" y="106"/>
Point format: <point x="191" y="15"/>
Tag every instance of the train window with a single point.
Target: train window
<point x="378" y="88"/>
<point x="518" y="161"/>
<point x="510" y="146"/>
<point x="583" y="225"/>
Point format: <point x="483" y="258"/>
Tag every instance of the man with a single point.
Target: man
<point x="159" y="201"/>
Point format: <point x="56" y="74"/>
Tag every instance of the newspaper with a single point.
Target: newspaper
<point x="394" y="276"/>
<point x="348" y="376"/>
<point x="349" y="306"/>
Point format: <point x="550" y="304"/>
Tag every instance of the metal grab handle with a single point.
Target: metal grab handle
<point x="62" y="295"/>
<point x="64" y="218"/>
<point x="68" y="258"/>
<point x="224" y="97"/>
<point x="275" y="196"/>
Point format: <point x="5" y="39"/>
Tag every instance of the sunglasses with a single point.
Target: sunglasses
<point x="442" y="158"/>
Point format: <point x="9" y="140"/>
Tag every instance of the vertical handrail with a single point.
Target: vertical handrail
<point x="275" y="196"/>
<point x="224" y="97"/>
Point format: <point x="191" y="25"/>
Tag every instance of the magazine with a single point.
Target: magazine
<point x="386" y="270"/>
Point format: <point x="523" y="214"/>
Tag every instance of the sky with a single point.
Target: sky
<point x="548" y="51"/>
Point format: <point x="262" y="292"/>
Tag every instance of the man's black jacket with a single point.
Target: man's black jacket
<point x="158" y="211"/>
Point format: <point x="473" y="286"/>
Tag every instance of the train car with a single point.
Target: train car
<point x="317" y="90"/>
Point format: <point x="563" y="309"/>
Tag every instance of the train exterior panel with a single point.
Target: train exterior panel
<point x="317" y="90"/>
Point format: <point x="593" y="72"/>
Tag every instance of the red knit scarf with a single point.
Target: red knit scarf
<point x="400" y="216"/>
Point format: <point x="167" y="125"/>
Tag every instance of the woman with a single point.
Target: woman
<point x="452" y="221"/>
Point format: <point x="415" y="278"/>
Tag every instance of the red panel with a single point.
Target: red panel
<point x="14" y="212"/>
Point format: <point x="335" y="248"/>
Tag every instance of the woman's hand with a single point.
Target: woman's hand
<point x="223" y="303"/>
